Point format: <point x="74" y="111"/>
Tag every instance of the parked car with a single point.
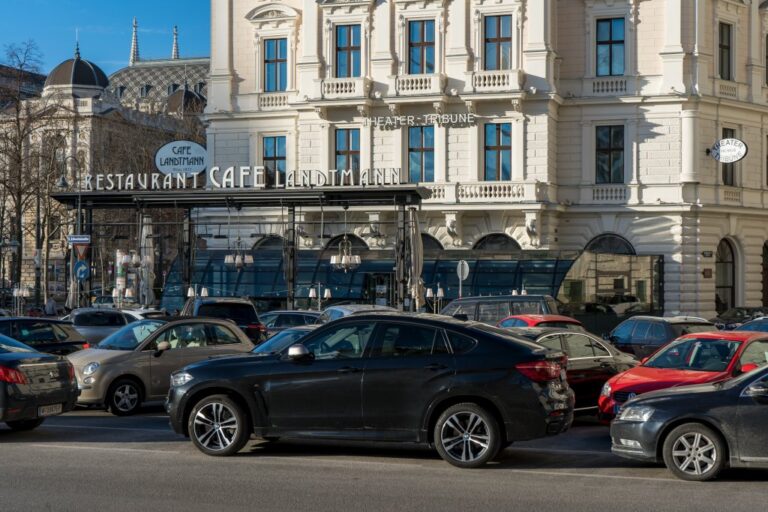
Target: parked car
<point x="95" y="324"/>
<point x="491" y="310"/>
<point x="44" y="335"/>
<point x="284" y="339"/>
<point x="644" y="335"/>
<point x="107" y="301"/>
<point x="134" y="364"/>
<point x="241" y="311"/>
<point x="332" y="313"/>
<point x="466" y="388"/>
<point x="33" y="385"/>
<point x="693" y="359"/>
<point x="558" y="321"/>
<point x="734" y="317"/>
<point x="697" y="431"/>
<point x="276" y="321"/>
<point x="591" y="362"/>
<point x="758" y="324"/>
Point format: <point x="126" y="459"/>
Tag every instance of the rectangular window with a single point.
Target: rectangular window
<point x="347" y="51"/>
<point x="275" y="65"/>
<point x="724" y="46"/>
<point x="421" y="47"/>
<point x="498" y="152"/>
<point x="609" y="146"/>
<point x="498" y="42"/>
<point x="729" y="170"/>
<point x="273" y="158"/>
<point x="421" y="154"/>
<point x="348" y="149"/>
<point x="610" y="47"/>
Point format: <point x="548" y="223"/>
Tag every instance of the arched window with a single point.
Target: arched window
<point x="610" y="244"/>
<point x="430" y="243"/>
<point x="270" y="243"/>
<point x="725" y="276"/>
<point x="497" y="243"/>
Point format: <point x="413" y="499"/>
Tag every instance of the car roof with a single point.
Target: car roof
<point x="673" y="319"/>
<point x="308" y="327"/>
<point x="289" y="311"/>
<point x="740" y="336"/>
<point x="504" y="297"/>
<point x="537" y="332"/>
<point x="361" y="307"/>
<point x="34" y="318"/>
<point x="546" y="318"/>
<point x="216" y="300"/>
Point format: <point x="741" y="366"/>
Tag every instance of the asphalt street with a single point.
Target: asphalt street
<point x="91" y="460"/>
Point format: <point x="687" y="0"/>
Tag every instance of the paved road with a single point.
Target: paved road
<point x="90" y="460"/>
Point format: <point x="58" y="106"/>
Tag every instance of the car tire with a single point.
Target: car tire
<point x="694" y="452"/>
<point x="24" y="425"/>
<point x="124" y="397"/>
<point x="467" y="436"/>
<point x="218" y="426"/>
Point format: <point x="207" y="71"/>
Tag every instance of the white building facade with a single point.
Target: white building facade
<point x="541" y="127"/>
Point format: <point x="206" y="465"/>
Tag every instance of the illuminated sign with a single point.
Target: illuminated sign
<point x="181" y="157"/>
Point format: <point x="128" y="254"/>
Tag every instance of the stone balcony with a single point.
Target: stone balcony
<point x="488" y="192"/>
<point x="507" y="80"/>
<point x="345" y="88"/>
<point x="273" y="100"/>
<point x="417" y="85"/>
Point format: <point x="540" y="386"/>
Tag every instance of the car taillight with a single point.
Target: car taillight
<point x="258" y="327"/>
<point x="71" y="371"/>
<point x="86" y="345"/>
<point x="542" y="371"/>
<point x="11" y="376"/>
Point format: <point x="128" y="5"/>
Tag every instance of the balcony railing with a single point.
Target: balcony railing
<point x="340" y="88"/>
<point x="273" y="100"/>
<point x="502" y="192"/>
<point x="609" y="194"/>
<point x="728" y="89"/>
<point x="414" y="85"/>
<point x="609" y="86"/>
<point x="498" y="81"/>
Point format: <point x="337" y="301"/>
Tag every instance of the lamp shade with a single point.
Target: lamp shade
<point x="229" y="259"/>
<point x="440" y="293"/>
<point x="335" y="260"/>
<point x="327" y="293"/>
<point x="190" y="292"/>
<point x="115" y="293"/>
<point x="204" y="292"/>
<point x="129" y="293"/>
<point x="430" y="294"/>
<point x="523" y="292"/>
<point x="248" y="258"/>
<point x="312" y="293"/>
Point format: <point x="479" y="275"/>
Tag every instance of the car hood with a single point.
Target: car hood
<point x="97" y="355"/>
<point x="644" y="379"/>
<point x="232" y="360"/>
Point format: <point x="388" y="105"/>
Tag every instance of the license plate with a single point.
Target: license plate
<point x="49" y="410"/>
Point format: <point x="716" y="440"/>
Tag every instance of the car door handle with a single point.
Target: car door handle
<point x="348" y="369"/>
<point x="436" y="366"/>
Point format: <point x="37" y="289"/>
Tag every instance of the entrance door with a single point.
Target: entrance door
<point x="725" y="276"/>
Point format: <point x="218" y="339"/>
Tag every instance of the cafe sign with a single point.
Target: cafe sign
<point x="181" y="157"/>
<point x="728" y="151"/>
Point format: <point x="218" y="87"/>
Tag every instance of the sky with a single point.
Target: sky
<point x="104" y="28"/>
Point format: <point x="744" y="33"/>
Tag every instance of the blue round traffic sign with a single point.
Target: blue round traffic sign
<point x="82" y="270"/>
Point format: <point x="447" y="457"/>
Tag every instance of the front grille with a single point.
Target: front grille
<point x="623" y="396"/>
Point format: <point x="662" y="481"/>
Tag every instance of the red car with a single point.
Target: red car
<point x="560" y="321"/>
<point x="691" y="359"/>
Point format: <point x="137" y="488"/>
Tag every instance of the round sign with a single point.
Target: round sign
<point x="181" y="157"/>
<point x="82" y="270"/>
<point x="462" y="269"/>
<point x="728" y="151"/>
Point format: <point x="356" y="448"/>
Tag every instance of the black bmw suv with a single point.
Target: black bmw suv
<point x="465" y="388"/>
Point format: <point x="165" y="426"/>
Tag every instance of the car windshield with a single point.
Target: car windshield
<point x="241" y="314"/>
<point x="695" y="354"/>
<point x="130" y="336"/>
<point x="8" y="345"/>
<point x="561" y="325"/>
<point x="280" y="341"/>
<point x="503" y="333"/>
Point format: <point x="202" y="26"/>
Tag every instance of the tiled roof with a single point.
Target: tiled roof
<point x="159" y="75"/>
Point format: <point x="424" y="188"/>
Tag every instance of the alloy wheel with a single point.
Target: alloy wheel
<point x="694" y="453"/>
<point x="215" y="426"/>
<point x="465" y="436"/>
<point x="126" y="397"/>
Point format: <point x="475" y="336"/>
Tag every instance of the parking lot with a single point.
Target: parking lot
<point x="89" y="459"/>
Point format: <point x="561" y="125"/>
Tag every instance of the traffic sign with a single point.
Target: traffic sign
<point x="79" y="239"/>
<point x="82" y="270"/>
<point x="462" y="270"/>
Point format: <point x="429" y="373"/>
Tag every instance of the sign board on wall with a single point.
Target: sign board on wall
<point x="728" y="151"/>
<point x="181" y="157"/>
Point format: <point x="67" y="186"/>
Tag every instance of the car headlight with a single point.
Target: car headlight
<point x="179" y="379"/>
<point x="90" y="368"/>
<point x="637" y="413"/>
<point x="606" y="390"/>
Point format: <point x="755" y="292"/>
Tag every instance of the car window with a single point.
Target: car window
<point x="241" y="314"/>
<point x="526" y="307"/>
<point x="185" y="336"/>
<point x="600" y="350"/>
<point x="624" y="331"/>
<point x="489" y="312"/>
<point x="33" y="333"/>
<point x="552" y="306"/>
<point x="224" y="336"/>
<point x="309" y="319"/>
<point x="99" y="319"/>
<point x="640" y="333"/>
<point x="404" y="340"/>
<point x="657" y="334"/>
<point x="461" y="343"/>
<point x="268" y="319"/>
<point x="578" y="346"/>
<point x="553" y="341"/>
<point x="289" y="320"/>
<point x="130" y="336"/>
<point x="708" y="355"/>
<point x="280" y="341"/>
<point x="755" y="353"/>
<point x="512" y="322"/>
<point x="347" y="341"/>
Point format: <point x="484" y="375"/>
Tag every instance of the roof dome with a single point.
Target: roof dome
<point x="185" y="101"/>
<point x="77" y="73"/>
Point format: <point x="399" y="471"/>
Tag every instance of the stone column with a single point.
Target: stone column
<point x="672" y="55"/>
<point x="220" y="88"/>
<point x="308" y="66"/>
<point x="539" y="57"/>
<point x="689" y="143"/>
<point x="382" y="59"/>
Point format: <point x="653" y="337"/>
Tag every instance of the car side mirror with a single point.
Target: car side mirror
<point x="757" y="390"/>
<point x="746" y="368"/>
<point x="298" y="352"/>
<point x="162" y="347"/>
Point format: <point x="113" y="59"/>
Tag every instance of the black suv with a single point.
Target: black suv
<point x="644" y="335"/>
<point x="465" y="388"/>
<point x="492" y="310"/>
<point x="239" y="310"/>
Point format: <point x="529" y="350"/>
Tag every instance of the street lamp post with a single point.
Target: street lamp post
<point x="314" y="293"/>
<point x="63" y="184"/>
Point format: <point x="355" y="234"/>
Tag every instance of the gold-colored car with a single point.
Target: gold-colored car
<point x="134" y="364"/>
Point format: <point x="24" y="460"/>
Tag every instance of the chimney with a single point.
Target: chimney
<point x="135" y="43"/>
<point x="175" y="51"/>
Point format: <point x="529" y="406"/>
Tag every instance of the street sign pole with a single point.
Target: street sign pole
<point x="462" y="270"/>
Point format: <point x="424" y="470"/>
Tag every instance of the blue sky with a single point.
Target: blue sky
<point x="105" y="28"/>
